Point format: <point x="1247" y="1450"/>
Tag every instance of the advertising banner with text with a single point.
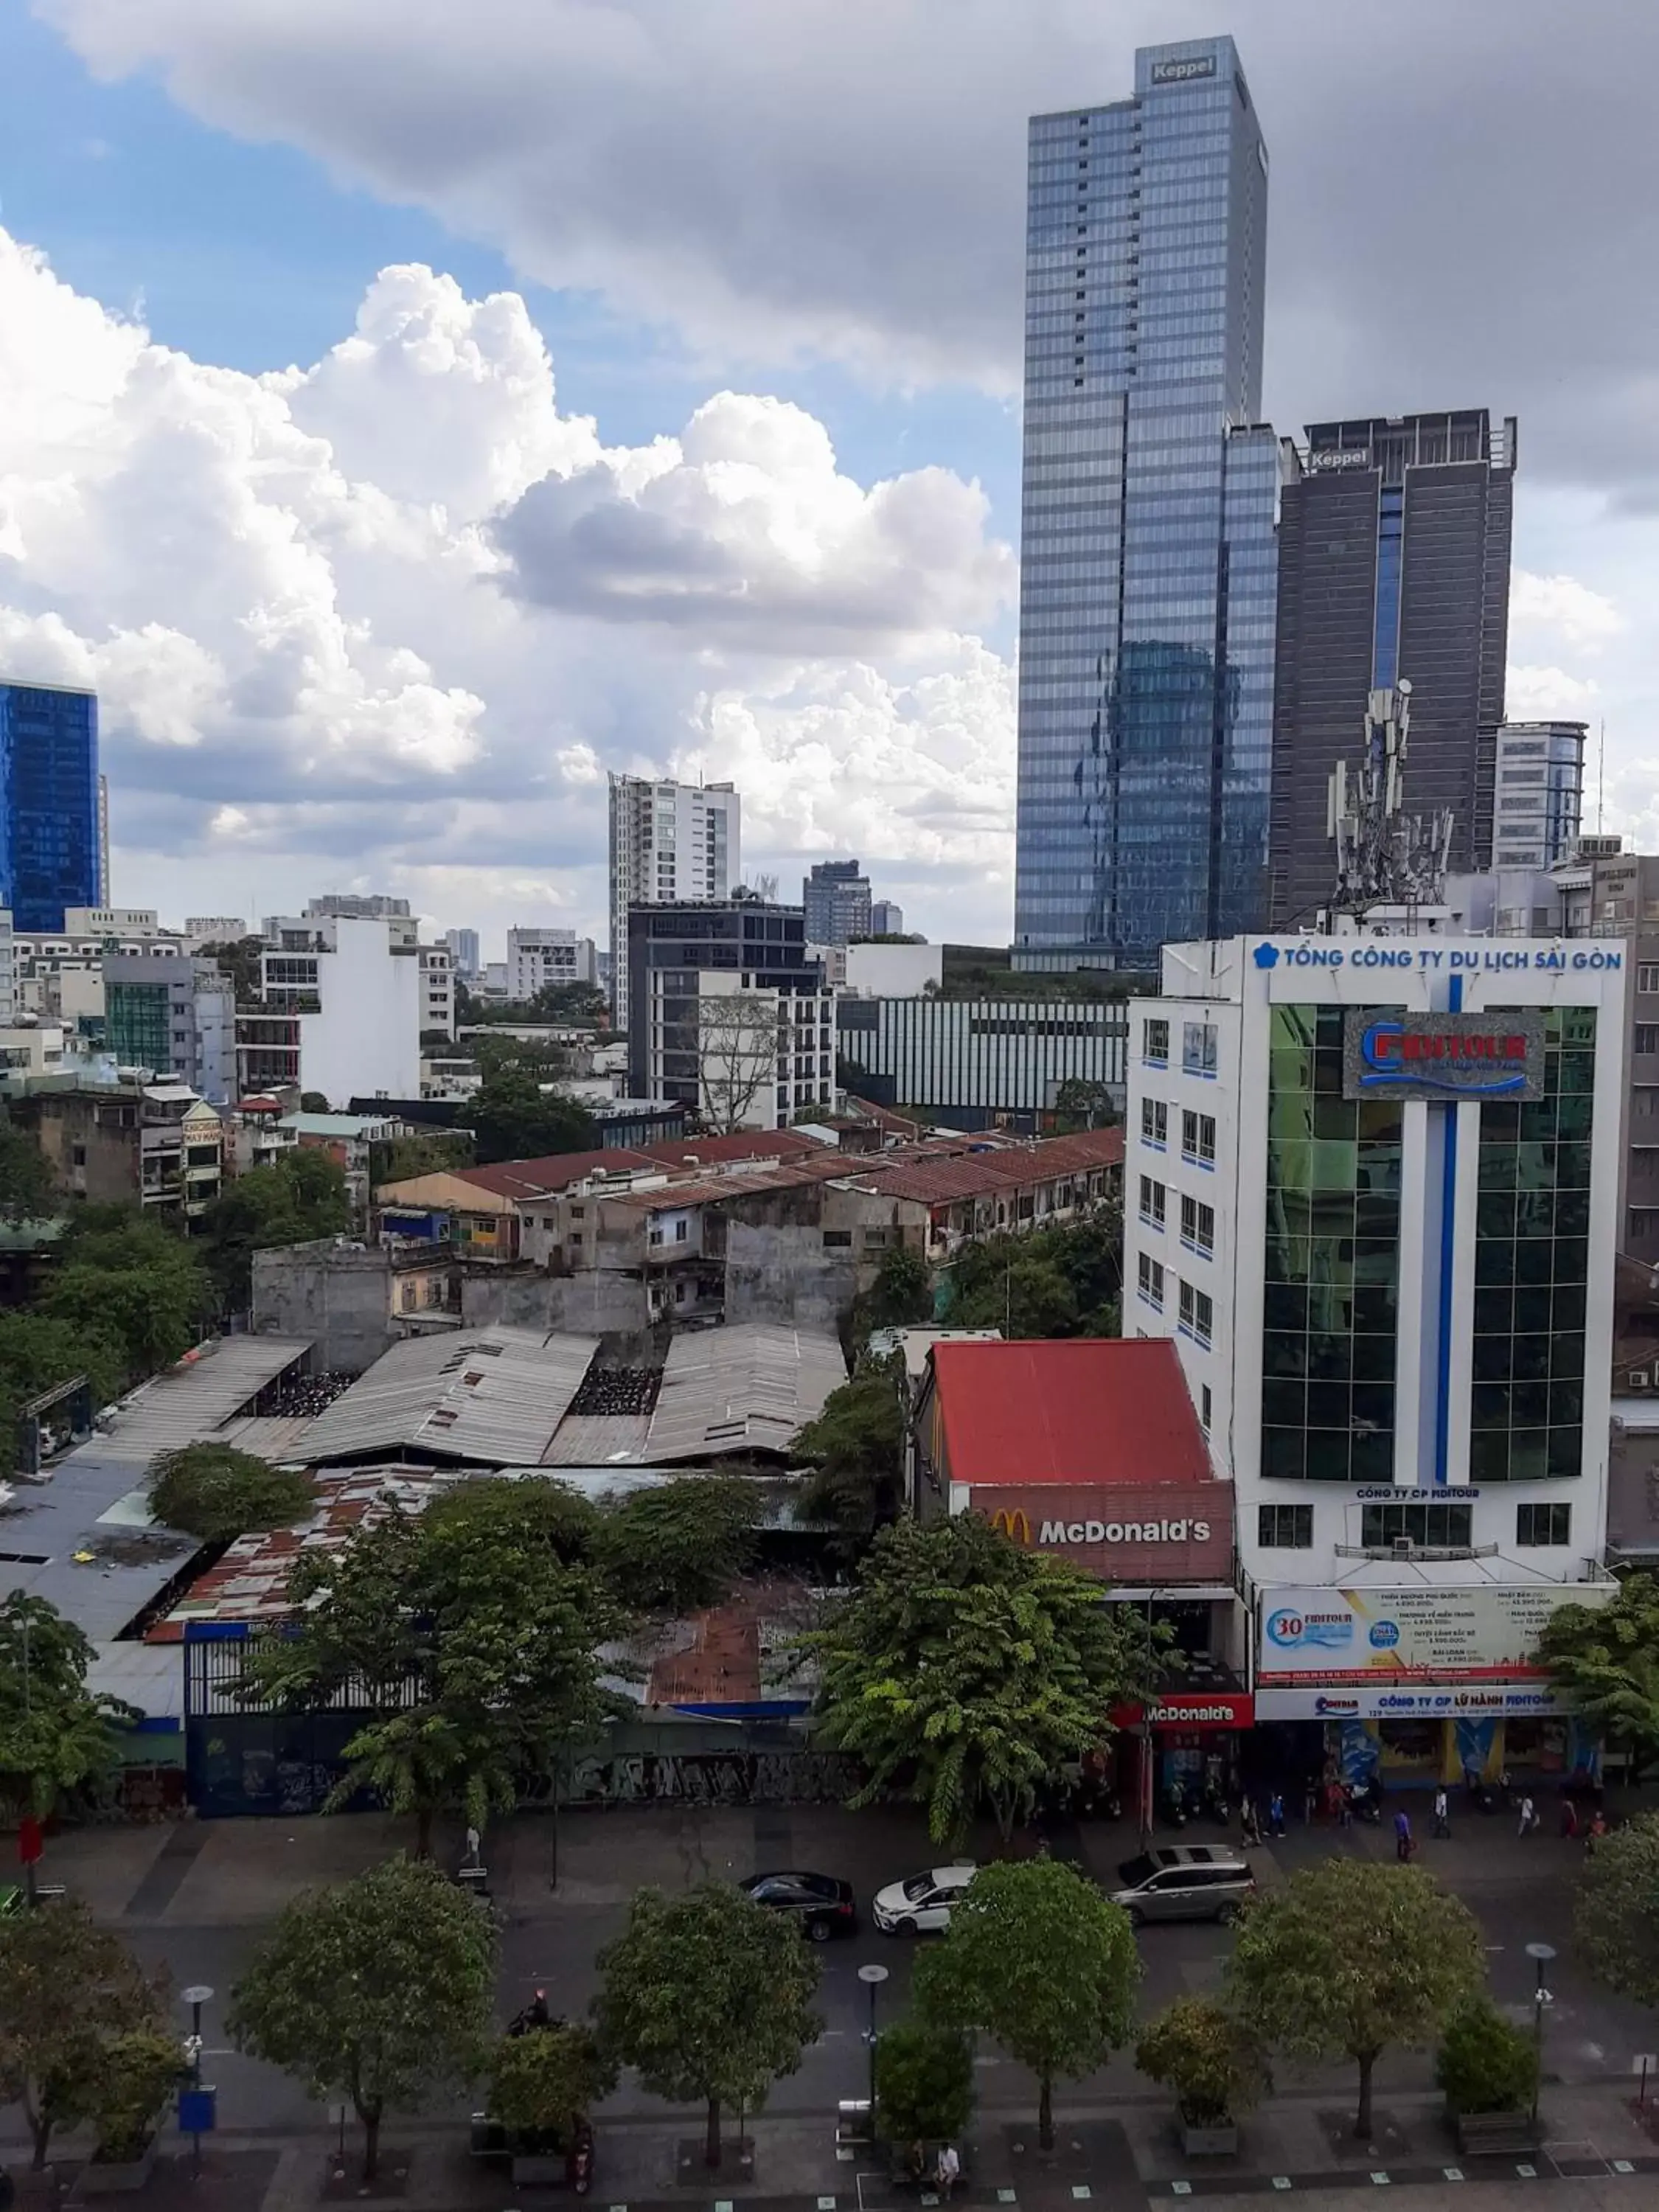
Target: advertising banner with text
<point x="1312" y="1637"/>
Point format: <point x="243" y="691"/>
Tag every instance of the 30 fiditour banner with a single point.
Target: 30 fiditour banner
<point x="1311" y="1636"/>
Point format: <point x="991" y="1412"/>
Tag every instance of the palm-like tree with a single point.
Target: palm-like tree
<point x="428" y="1760"/>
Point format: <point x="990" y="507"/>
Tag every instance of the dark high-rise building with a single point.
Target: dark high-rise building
<point x="1394" y="560"/>
<point x="836" y="902"/>
<point x="50" y="839"/>
<point x="1147" y="595"/>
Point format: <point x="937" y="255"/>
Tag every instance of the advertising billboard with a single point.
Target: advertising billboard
<point x="1443" y="1056"/>
<point x="1313" y="1637"/>
<point x="1162" y="1532"/>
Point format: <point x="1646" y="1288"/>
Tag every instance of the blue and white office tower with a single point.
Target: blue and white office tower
<point x="51" y="838"/>
<point x="1147" y="602"/>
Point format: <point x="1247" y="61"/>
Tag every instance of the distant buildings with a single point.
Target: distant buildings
<point x="341" y="1007"/>
<point x="174" y="1016"/>
<point x="155" y="1145"/>
<point x="728" y="1016"/>
<point x="464" y="952"/>
<point x="669" y="843"/>
<point x="980" y="1063"/>
<point x="437" y="991"/>
<point x="1150" y="483"/>
<point x="202" y="929"/>
<point x="1394" y="561"/>
<point x="1538" y="793"/>
<point x="886" y="920"/>
<point x="835" y="899"/>
<point x="544" y="959"/>
<point x="50" y="836"/>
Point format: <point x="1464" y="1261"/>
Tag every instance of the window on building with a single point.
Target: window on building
<point x="1647" y="1037"/>
<point x="1198" y="1225"/>
<point x="1150" y="1279"/>
<point x="1642" y="1222"/>
<point x="1151" y="1201"/>
<point x="1154" y="1121"/>
<point x="833" y="1237"/>
<point x="1285" y="1528"/>
<point x="1155" y="1043"/>
<point x="680" y="1232"/>
<point x="1197" y="1313"/>
<point x="1543" y="1524"/>
<point x="77" y="1156"/>
<point x="1198" y="1139"/>
<point x="1198" y="1048"/>
<point x="1438" y="1527"/>
<point x="1647" y="976"/>
<point x="1204" y="1404"/>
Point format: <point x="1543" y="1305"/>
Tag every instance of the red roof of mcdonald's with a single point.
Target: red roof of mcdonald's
<point x="1084" y="1409"/>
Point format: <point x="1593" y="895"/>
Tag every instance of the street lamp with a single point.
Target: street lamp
<point x="197" y="1995"/>
<point x="872" y="1978"/>
<point x="1541" y="1955"/>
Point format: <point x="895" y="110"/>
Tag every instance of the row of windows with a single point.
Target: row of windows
<point x="1437" y="1527"/>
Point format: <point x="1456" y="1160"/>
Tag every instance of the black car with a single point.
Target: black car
<point x="822" y="1905"/>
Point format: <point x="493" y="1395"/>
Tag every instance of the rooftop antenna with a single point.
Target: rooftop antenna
<point x="1600" y="773"/>
<point x="1384" y="856"/>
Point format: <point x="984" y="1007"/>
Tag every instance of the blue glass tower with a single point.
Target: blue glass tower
<point x="49" y="843"/>
<point x="1147" y="594"/>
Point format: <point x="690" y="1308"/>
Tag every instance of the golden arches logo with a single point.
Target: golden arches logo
<point x="1013" y="1522"/>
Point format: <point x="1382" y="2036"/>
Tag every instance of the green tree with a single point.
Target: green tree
<point x="710" y="1997"/>
<point x="901" y="1294"/>
<point x="513" y="1118"/>
<point x="1038" y="1959"/>
<point x="313" y="1102"/>
<point x="37" y="1351"/>
<point x="435" y="1151"/>
<point x="1485" y="2064"/>
<point x="298" y="1197"/>
<point x="1618" y="1915"/>
<point x="216" y="1492"/>
<point x="1079" y="1104"/>
<point x="1348" y="1958"/>
<point x="428" y="1760"/>
<point x="140" y="2071"/>
<point x="130" y="1283"/>
<point x="543" y="2084"/>
<point x="241" y="959"/>
<point x="56" y="1735"/>
<point x="353" y="1624"/>
<point x="856" y="1450"/>
<point x="1030" y="1297"/>
<point x="924" y="2083"/>
<point x="376" y="1990"/>
<point x="567" y="1002"/>
<point x="26" y="1192"/>
<point x="1208" y="2055"/>
<point x="964" y="1670"/>
<point x="1063" y="1282"/>
<point x="69" y="1989"/>
<point x="1605" y="1659"/>
<point x="680" y="1547"/>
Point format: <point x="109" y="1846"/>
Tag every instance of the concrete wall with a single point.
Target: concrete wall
<point x="339" y="1297"/>
<point x="784" y="1272"/>
<point x="894" y="971"/>
<point x="595" y="1305"/>
<point x="1633" y="1484"/>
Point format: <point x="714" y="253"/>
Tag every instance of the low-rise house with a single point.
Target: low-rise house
<point x="153" y="1144"/>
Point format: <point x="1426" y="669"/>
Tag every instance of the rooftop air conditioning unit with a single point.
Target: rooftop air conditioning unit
<point x="1403" y="1548"/>
<point x="1640" y="1378"/>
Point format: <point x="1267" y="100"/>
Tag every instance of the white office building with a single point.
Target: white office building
<point x="669" y="843"/>
<point x="1371" y="1193"/>
<point x="539" y="959"/>
<point x="437" y="990"/>
<point x="355" y="993"/>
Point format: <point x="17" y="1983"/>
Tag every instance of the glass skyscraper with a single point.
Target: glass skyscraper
<point x="1147" y="595"/>
<point x="48" y="828"/>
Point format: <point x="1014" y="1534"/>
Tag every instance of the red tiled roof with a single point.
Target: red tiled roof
<point x="741" y="1145"/>
<point x="1086" y="1409"/>
<point x="512" y="1179"/>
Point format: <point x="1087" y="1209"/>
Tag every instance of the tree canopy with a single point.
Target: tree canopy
<point x="709" y="1996"/>
<point x="965" y="1671"/>
<point x="132" y="1283"/>
<point x="544" y="2082"/>
<point x="1618" y="1915"/>
<point x="55" y="1739"/>
<point x="512" y="1118"/>
<point x="69" y="1991"/>
<point x="1035" y="1957"/>
<point x="26" y="1191"/>
<point x="1063" y="1282"/>
<point x="301" y="1195"/>
<point x="856" y="1450"/>
<point x="681" y="1546"/>
<point x="1606" y="1658"/>
<point x="216" y="1492"/>
<point x="377" y="1990"/>
<point x="1348" y="1958"/>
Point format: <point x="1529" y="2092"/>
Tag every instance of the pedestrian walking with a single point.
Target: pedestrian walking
<point x="1276" y="1814"/>
<point x="1598" y="1828"/>
<point x="1569" y="1819"/>
<point x="1344" y="1809"/>
<point x="1442" y="1817"/>
<point x="948" y="2171"/>
<point x="1250" y="1823"/>
<point x="1403" y="1845"/>
<point x="1528" y="1817"/>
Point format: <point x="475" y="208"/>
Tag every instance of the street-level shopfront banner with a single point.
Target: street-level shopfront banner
<point x="1342" y="1637"/>
<point x="1470" y="1701"/>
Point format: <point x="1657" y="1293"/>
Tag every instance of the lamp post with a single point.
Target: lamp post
<point x="872" y="1978"/>
<point x="197" y="1995"/>
<point x="1541" y="1955"/>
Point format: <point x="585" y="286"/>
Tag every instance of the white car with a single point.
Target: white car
<point x="922" y="1901"/>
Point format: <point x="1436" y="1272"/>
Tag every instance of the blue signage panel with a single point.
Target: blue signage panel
<point x="1498" y="1055"/>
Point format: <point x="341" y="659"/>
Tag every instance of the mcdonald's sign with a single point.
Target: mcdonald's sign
<point x="1015" y="1521"/>
<point x="1176" y="1531"/>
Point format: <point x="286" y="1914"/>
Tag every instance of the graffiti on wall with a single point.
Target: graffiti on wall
<point x="713" y="1778"/>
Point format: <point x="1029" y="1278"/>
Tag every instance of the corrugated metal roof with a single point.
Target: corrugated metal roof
<point x="493" y="1396"/>
<point x="747" y="1386"/>
<point x="78" y="1509"/>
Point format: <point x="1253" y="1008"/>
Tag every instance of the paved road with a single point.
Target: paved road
<point x="196" y="1897"/>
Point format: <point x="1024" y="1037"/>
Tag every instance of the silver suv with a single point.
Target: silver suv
<point x="1184" y="1881"/>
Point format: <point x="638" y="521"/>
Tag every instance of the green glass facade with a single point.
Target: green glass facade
<point x="1331" y="1294"/>
<point x="1531" y="1265"/>
<point x="138" y="1024"/>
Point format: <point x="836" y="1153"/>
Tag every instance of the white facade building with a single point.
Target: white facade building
<point x="761" y="1055"/>
<point x="357" y="993"/>
<point x="894" y="971"/>
<point x="1371" y="1192"/>
<point x="537" y="959"/>
<point x="669" y="843"/>
<point x="437" y="989"/>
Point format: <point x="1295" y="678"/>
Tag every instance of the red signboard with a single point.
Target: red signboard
<point x="1193" y="1709"/>
<point x="1161" y="1532"/>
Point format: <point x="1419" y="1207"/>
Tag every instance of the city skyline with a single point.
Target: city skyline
<point x="391" y="658"/>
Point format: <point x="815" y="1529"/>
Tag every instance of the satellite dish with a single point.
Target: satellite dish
<point x="1404" y="686"/>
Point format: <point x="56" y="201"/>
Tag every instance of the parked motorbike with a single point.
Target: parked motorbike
<point x="579" y="2167"/>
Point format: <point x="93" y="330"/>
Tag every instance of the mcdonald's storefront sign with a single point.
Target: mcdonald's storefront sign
<point x="1174" y="1532"/>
